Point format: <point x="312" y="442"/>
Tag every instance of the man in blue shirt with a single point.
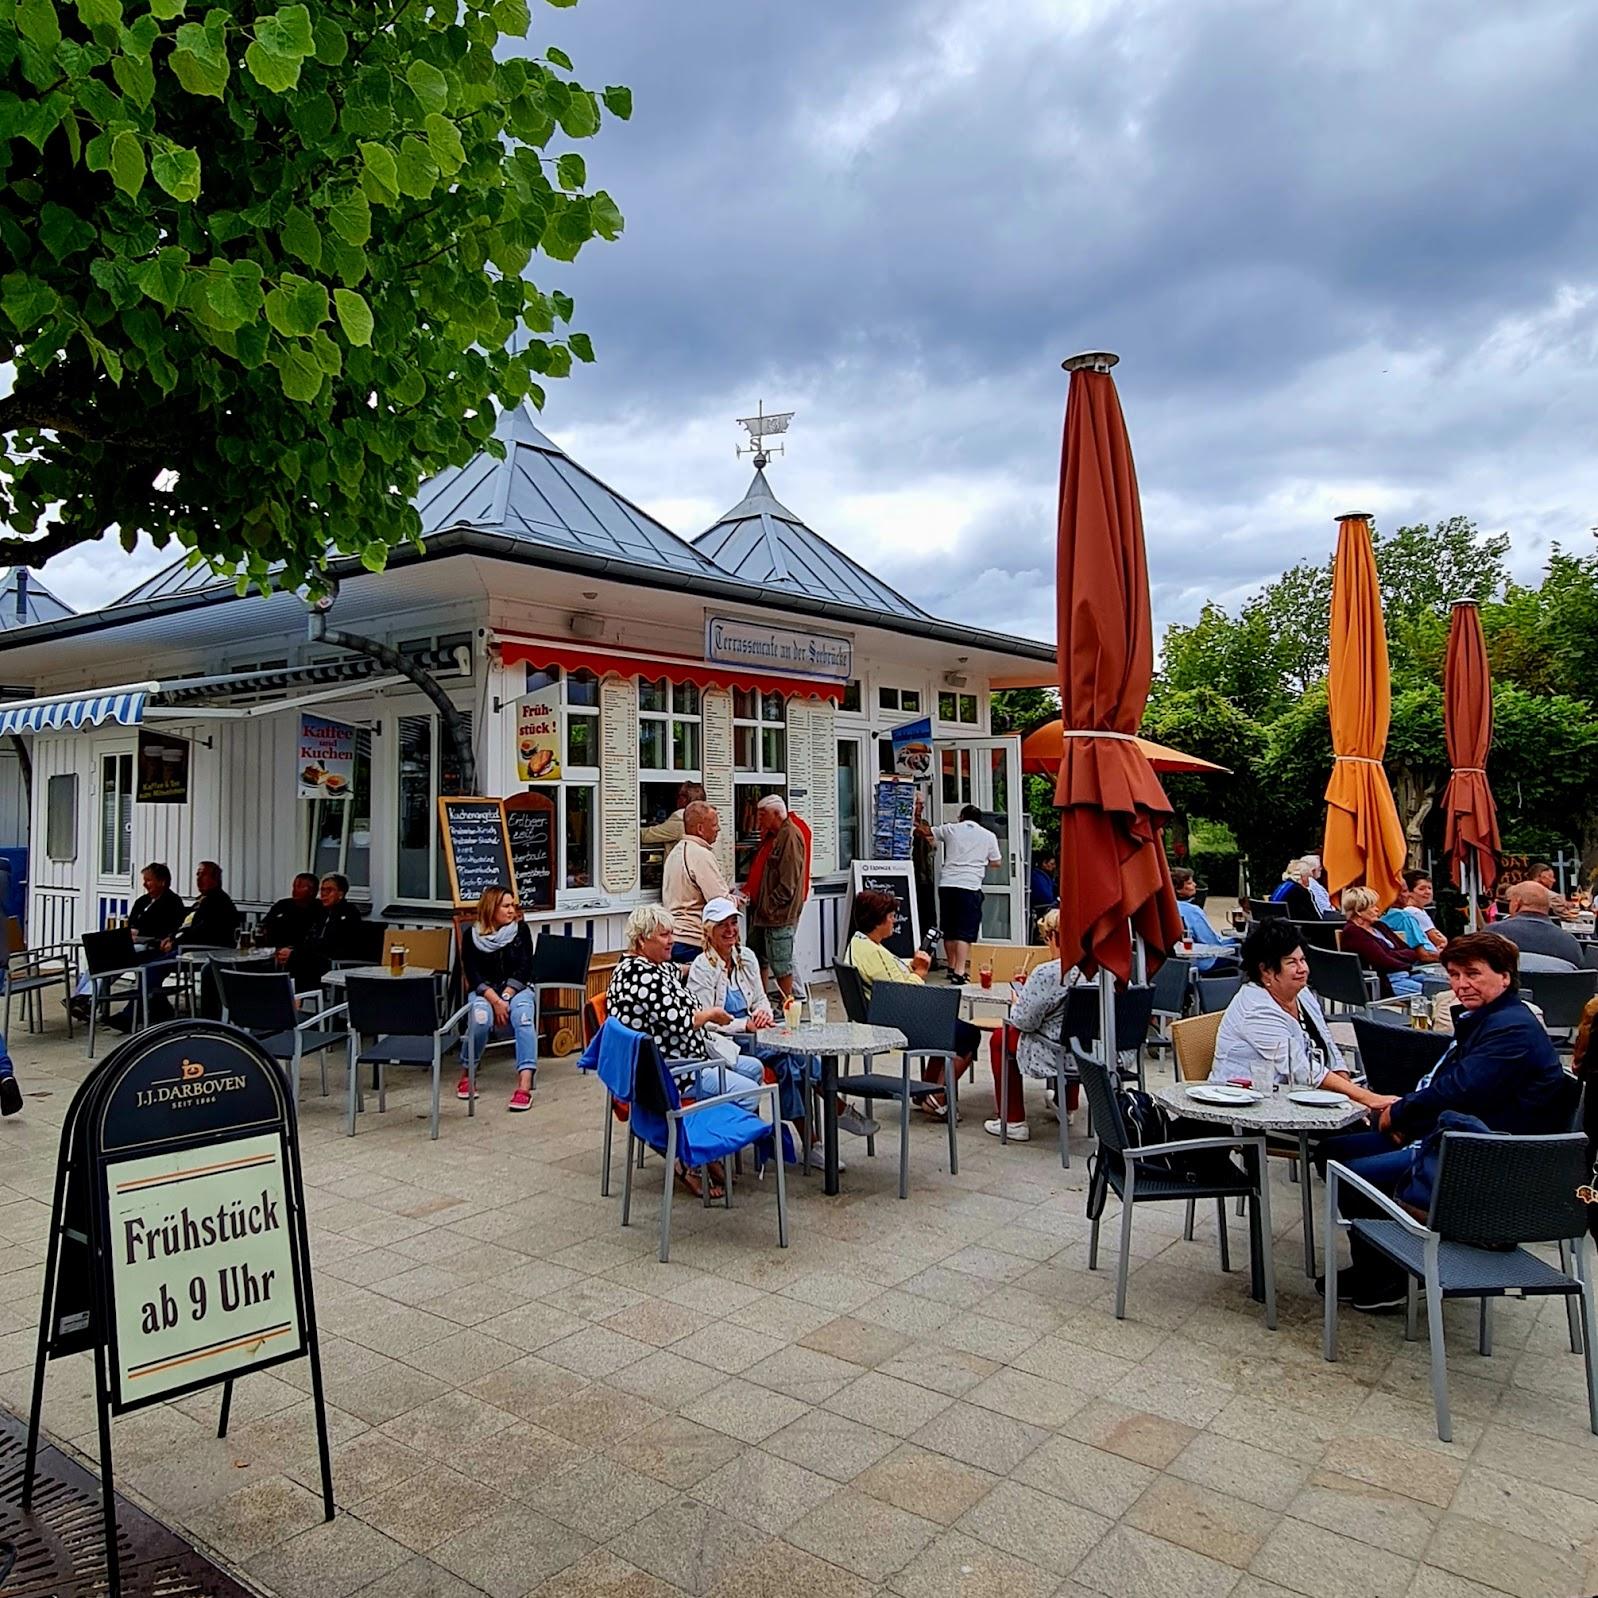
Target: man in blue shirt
<point x="1195" y="925"/>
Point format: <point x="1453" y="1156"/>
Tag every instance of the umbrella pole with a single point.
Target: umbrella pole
<point x="1140" y="960"/>
<point x="1108" y="1051"/>
<point x="1470" y="875"/>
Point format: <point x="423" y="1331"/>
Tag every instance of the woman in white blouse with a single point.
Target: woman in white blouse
<point x="1037" y="1016"/>
<point x="1274" y="1030"/>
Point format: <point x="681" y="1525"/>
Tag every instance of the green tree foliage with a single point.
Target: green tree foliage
<point x="262" y="270"/>
<point x="1020" y="710"/>
<point x="1543" y="644"/>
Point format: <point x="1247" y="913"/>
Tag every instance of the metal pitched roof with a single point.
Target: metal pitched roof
<point x="24" y="600"/>
<point x="763" y="542"/>
<point x="538" y="493"/>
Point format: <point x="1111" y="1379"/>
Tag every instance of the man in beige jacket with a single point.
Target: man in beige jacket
<point x="691" y="878"/>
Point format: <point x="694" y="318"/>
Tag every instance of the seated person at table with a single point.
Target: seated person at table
<point x="289" y="922"/>
<point x="1196" y="925"/>
<point x="1274" y="1029"/>
<point x="1500" y="1068"/>
<point x="497" y="959"/>
<point x="156" y="914"/>
<point x="1530" y="925"/>
<point x="1559" y="907"/>
<point x="1319" y="897"/>
<point x="212" y="923"/>
<point x="334" y="934"/>
<point x="1030" y="1044"/>
<point x="725" y="975"/>
<point x="647" y="995"/>
<point x="1379" y="948"/>
<point x="1295" y="892"/>
<point x="873" y="919"/>
<point x="1045" y="886"/>
<point x="1411" y="918"/>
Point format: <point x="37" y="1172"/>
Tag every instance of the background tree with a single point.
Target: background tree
<point x="260" y="270"/>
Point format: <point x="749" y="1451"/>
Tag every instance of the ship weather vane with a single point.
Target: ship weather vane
<point x="760" y="427"/>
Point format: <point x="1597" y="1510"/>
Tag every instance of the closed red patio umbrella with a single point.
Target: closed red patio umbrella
<point x="1470" y="818"/>
<point x="1114" y="877"/>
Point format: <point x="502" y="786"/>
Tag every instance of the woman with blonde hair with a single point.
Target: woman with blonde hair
<point x="497" y="958"/>
<point x="1036" y="1017"/>
<point x="1378" y="947"/>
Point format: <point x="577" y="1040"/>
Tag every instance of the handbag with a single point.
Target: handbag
<point x="1415" y="1190"/>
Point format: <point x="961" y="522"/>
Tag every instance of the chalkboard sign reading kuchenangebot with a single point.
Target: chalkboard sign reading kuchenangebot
<point x="178" y="1252"/>
<point x="476" y="847"/>
<point x="530" y="825"/>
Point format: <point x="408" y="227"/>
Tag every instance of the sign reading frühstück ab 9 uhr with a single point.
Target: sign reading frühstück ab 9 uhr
<point x="178" y="1252"/>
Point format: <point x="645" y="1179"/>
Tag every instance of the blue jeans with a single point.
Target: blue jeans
<point x="684" y="953"/>
<point x="1370" y="1155"/>
<point x="523" y="1029"/>
<point x="708" y="1083"/>
<point x="1405" y="984"/>
<point x="789" y="1069"/>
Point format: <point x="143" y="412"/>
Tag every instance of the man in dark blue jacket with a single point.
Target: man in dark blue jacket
<point x="1500" y="1068"/>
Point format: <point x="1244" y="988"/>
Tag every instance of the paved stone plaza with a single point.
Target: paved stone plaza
<point x="929" y="1398"/>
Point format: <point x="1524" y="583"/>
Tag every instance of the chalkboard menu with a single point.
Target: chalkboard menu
<point x="895" y="877"/>
<point x="530" y="826"/>
<point x="476" y="847"/>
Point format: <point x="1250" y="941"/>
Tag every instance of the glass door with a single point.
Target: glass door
<point x="986" y="772"/>
<point x="114" y="837"/>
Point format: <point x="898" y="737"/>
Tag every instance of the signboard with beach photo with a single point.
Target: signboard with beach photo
<point x="325" y="758"/>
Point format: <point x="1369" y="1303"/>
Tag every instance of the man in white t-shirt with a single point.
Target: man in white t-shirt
<point x="968" y="850"/>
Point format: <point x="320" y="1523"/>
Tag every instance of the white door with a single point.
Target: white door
<point x="113" y="835"/>
<point x="986" y="772"/>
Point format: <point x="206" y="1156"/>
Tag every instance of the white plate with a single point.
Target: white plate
<point x="1222" y="1093"/>
<point x="1320" y="1098"/>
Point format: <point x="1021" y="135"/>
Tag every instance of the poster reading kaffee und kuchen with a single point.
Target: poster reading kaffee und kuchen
<point x="325" y="758"/>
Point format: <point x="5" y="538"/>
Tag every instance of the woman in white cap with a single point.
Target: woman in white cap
<point x="726" y="976"/>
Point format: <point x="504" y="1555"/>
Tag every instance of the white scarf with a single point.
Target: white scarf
<point x="500" y="938"/>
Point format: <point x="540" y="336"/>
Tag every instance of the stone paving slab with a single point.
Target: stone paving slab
<point x="929" y="1397"/>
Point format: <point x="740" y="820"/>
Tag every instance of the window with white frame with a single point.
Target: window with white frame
<point x="907" y="700"/>
<point x="961" y="709"/>
<point x="851" y="700"/>
<point x="339" y="831"/>
<point x="576" y="795"/>
<point x="427" y="768"/>
<point x="116" y="815"/>
<point x="670" y="744"/>
<point x="61" y="817"/>
<point x="759" y="764"/>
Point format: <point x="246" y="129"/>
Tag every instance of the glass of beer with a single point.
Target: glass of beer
<point x="396" y="959"/>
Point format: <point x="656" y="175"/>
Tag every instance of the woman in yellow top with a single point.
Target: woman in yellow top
<point x="872" y="923"/>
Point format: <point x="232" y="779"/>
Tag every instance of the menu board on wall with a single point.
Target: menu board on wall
<point x="715" y="706"/>
<point x="530" y="828"/>
<point x="476" y="846"/>
<point x="618" y="717"/>
<point x="801" y="763"/>
<point x="822" y="813"/>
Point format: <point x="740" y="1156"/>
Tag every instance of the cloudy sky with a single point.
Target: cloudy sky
<point x="1348" y="254"/>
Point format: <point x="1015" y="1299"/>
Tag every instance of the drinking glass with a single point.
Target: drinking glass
<point x="985" y="975"/>
<point x="396" y="958"/>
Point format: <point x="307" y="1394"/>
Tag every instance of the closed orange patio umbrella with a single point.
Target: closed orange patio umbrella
<point x="1113" y="873"/>
<point x="1364" y="841"/>
<point x="1470" y="818"/>
<point x="1042" y="747"/>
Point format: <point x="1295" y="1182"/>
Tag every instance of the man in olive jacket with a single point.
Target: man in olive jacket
<point x="779" y="881"/>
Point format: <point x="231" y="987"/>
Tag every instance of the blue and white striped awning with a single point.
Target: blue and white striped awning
<point x="126" y="707"/>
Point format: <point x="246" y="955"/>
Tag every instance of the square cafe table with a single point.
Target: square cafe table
<point x="831" y="1040"/>
<point x="1275" y="1112"/>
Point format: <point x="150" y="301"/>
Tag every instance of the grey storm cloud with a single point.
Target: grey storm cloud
<point x="1346" y="252"/>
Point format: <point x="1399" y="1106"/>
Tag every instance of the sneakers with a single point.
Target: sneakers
<point x="1020" y="1132"/>
<point x="1373" y="1297"/>
<point x="851" y="1120"/>
<point x="818" y="1158"/>
<point x="10" y="1095"/>
<point x="463" y="1088"/>
<point x="520" y="1100"/>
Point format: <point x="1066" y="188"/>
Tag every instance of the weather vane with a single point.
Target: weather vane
<point x="760" y="427"/>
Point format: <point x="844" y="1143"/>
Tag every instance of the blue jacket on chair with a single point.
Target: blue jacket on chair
<point x="1501" y="1067"/>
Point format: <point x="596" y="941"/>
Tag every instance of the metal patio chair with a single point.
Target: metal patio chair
<point x="1493" y="1195"/>
<point x="400" y="1015"/>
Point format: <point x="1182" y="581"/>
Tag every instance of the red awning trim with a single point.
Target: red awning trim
<point x="518" y="651"/>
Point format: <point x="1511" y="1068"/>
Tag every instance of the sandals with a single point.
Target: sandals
<point x="690" y="1183"/>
